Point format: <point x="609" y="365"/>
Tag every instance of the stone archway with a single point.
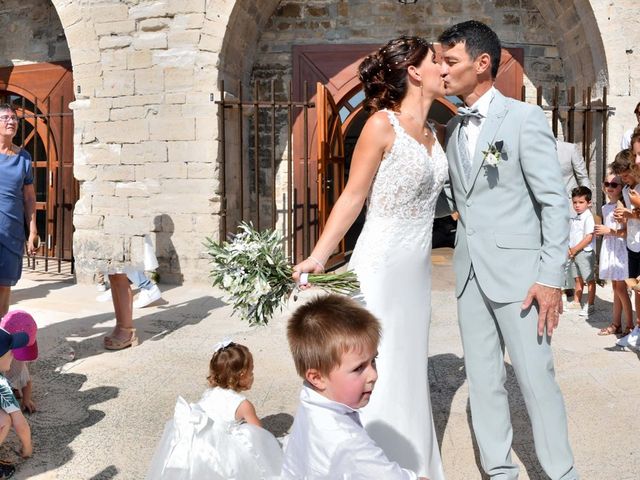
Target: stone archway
<point x="573" y="24"/>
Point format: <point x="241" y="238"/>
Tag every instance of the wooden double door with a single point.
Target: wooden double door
<point x="40" y="94"/>
<point x="329" y="73"/>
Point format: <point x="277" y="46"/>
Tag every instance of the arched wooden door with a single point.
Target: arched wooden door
<point x="330" y="171"/>
<point x="41" y="94"/>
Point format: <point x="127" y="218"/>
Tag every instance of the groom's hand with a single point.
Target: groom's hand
<point x="549" y="301"/>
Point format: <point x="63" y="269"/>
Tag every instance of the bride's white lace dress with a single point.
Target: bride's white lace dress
<point x="392" y="259"/>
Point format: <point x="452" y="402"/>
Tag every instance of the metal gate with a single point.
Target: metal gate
<point x="256" y="136"/>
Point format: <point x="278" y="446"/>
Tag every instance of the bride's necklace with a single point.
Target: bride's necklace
<point x="425" y="131"/>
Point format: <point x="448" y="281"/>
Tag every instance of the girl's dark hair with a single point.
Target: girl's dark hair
<point x="384" y="73"/>
<point x="228" y="365"/>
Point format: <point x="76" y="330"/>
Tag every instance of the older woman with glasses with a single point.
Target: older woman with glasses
<point x="17" y="205"/>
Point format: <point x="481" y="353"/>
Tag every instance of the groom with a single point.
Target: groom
<point x="511" y="245"/>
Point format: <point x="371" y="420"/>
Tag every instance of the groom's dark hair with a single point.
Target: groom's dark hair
<point x="478" y="38"/>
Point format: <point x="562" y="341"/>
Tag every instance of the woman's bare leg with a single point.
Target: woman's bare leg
<point x="122" y="298"/>
<point x="5" y="298"/>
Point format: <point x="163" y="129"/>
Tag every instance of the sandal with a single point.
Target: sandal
<point x="610" y="330"/>
<point x="113" y="343"/>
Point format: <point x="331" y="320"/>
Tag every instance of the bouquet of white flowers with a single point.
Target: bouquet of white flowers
<point x="253" y="269"/>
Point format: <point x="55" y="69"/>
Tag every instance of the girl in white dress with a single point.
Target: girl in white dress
<point x="399" y="168"/>
<point x="220" y="437"/>
<point x="613" y="258"/>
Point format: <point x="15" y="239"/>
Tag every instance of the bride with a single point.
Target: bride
<point x="399" y="167"/>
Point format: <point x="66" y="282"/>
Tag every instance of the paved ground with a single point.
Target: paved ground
<point x="101" y="413"/>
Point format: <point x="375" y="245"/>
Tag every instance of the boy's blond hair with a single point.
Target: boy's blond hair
<point x="320" y="331"/>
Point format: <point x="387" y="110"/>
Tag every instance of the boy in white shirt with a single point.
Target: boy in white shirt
<point x="334" y="343"/>
<point x="582" y="244"/>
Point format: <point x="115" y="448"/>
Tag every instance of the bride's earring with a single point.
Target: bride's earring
<point x="421" y="91"/>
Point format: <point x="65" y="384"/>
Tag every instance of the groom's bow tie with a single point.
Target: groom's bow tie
<point x="467" y="112"/>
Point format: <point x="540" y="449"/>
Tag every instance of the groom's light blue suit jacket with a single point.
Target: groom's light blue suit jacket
<point x="514" y="222"/>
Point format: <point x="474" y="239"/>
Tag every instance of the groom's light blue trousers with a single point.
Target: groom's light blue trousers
<point x="484" y="326"/>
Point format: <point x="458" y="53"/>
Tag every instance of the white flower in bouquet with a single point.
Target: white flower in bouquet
<point x="253" y="270"/>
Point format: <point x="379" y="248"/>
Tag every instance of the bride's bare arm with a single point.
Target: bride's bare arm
<point x="376" y="137"/>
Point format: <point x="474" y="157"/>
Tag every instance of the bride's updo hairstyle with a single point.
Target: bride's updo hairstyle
<point x="384" y="73"/>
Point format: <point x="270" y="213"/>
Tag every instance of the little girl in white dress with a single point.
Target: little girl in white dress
<point x="219" y="437"/>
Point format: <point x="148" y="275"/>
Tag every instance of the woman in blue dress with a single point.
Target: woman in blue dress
<point x="17" y="205"/>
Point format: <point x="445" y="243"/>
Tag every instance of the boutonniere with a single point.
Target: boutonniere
<point x="493" y="154"/>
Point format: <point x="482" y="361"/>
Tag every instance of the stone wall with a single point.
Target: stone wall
<point x="31" y="33"/>
<point x="145" y="131"/>
<point x="518" y="24"/>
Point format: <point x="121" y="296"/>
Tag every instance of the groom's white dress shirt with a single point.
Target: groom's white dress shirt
<point x="328" y="441"/>
<point x="474" y="125"/>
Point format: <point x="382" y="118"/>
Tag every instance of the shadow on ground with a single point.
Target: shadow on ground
<point x="64" y="407"/>
<point x="446" y="376"/>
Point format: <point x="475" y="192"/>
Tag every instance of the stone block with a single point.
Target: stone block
<point x="114" y="41"/>
<point x="185" y="6"/>
<point x="109" y="13"/>
<point x="178" y="79"/>
<point x="114" y="60"/>
<point x="149" y="81"/>
<point x="100" y="154"/>
<point x="206" y="128"/>
<point x="108" y="205"/>
<point x="117" y="173"/>
<point x="127" y="225"/>
<point x="182" y="203"/>
<point x="202" y="170"/>
<point x="173" y="128"/>
<point x="131" y="101"/>
<point x="175" y="57"/>
<point x="116" y="84"/>
<point x="183" y="39"/>
<point x="86" y="55"/>
<point x="196" y="151"/>
<point x="94" y="110"/>
<point x="122" y="131"/>
<point x="150" y="41"/>
<point x="97" y="188"/>
<point x="188" y="21"/>
<point x="175" y="98"/>
<point x="139" y="59"/>
<point x="165" y="170"/>
<point x="144" y="152"/>
<point x="84" y="172"/>
<point x="115" y="28"/>
<point x="131" y="189"/>
<point x="88" y="222"/>
<point x="187" y="186"/>
<point x="127" y="113"/>
<point x="140" y="205"/>
<point x="149" y="10"/>
<point x="153" y="24"/>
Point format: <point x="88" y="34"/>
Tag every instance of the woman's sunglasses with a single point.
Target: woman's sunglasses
<point x="611" y="184"/>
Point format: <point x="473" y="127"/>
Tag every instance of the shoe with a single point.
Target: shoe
<point x="147" y="297"/>
<point x="574" y="306"/>
<point x="112" y="343"/>
<point x="623" y="341"/>
<point x="101" y="287"/>
<point x="633" y="339"/>
<point x="610" y="330"/>
<point x="587" y="310"/>
<point x="104" y="297"/>
<point x="6" y="470"/>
